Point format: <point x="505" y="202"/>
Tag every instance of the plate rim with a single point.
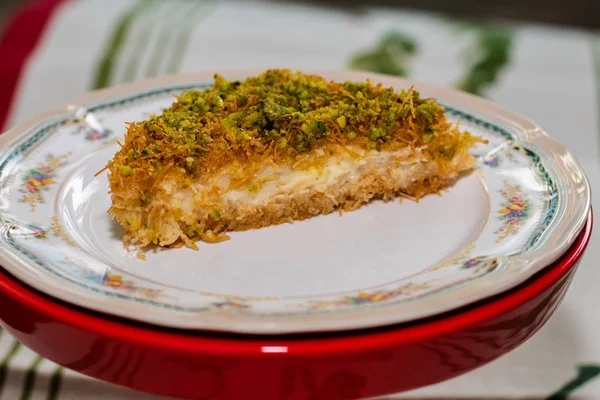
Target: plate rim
<point x="533" y="134"/>
<point x="321" y="343"/>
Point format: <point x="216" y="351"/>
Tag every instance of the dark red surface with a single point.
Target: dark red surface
<point x="315" y="367"/>
<point x="17" y="43"/>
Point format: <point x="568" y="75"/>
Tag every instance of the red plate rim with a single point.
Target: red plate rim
<point x="303" y="345"/>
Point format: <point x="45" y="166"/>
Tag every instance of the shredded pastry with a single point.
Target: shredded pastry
<point x="275" y="148"/>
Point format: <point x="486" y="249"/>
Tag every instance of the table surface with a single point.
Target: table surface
<point x="550" y="74"/>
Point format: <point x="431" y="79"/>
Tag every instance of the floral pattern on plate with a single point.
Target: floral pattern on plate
<point x="39" y="179"/>
<point x="514" y="212"/>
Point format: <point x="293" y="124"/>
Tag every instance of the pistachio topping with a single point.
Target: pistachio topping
<point x="281" y="111"/>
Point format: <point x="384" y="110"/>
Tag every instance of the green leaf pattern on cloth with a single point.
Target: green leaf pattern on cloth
<point x="487" y="57"/>
<point x="390" y="56"/>
<point x="106" y="66"/>
<point x="585" y="373"/>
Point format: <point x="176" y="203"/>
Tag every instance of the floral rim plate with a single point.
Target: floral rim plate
<point x="385" y="263"/>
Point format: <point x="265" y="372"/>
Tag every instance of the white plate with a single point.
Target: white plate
<point x="382" y="264"/>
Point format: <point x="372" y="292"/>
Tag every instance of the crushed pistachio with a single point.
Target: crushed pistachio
<point x="126" y="170"/>
<point x="428" y="136"/>
<point x="291" y="111"/>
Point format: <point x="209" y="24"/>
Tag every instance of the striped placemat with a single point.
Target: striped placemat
<point x="54" y="50"/>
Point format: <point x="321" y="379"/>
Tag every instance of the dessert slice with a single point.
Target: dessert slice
<point x="275" y="148"/>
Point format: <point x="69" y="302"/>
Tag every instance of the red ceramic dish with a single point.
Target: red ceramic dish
<point x="327" y="367"/>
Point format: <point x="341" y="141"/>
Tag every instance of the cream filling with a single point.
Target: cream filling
<point x="338" y="170"/>
<point x="277" y="180"/>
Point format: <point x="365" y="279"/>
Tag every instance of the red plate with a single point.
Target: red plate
<point x="327" y="367"/>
